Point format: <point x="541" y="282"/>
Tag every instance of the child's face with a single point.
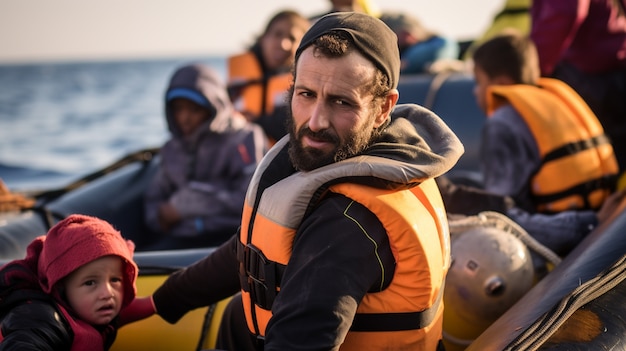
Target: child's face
<point x="95" y="290"/>
<point x="480" y="89"/>
<point x="188" y="115"/>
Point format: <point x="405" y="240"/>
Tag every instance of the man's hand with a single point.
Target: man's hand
<point x="609" y="206"/>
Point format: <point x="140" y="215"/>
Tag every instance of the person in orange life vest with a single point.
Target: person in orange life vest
<point x="67" y="293"/>
<point x="195" y="198"/>
<point x="258" y="79"/>
<point x="342" y="219"/>
<point x="541" y="144"/>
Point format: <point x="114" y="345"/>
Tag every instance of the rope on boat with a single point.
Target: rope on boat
<point x="206" y="325"/>
<point x="142" y="156"/>
<point x="12" y="201"/>
<point x="538" y="333"/>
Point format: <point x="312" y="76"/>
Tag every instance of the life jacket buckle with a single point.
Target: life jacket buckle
<point x="258" y="276"/>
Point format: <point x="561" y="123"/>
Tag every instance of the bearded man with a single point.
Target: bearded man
<point x="343" y="242"/>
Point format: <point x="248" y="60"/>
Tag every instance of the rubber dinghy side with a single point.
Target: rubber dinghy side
<point x="586" y="287"/>
<point x="16" y="234"/>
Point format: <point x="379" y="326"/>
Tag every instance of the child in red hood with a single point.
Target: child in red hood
<point x="82" y="271"/>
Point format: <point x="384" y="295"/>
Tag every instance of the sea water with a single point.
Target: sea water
<point x="60" y="121"/>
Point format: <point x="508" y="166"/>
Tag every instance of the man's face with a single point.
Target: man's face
<point x="333" y="116"/>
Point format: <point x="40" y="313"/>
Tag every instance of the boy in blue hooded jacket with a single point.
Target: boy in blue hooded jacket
<point x="196" y="198"/>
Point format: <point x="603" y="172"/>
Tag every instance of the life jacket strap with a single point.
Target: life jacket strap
<point x="384" y="322"/>
<point x="259" y="276"/>
<point x="585" y="189"/>
<point x="576" y="147"/>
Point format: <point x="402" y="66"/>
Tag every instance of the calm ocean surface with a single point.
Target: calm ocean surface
<point x="60" y="121"/>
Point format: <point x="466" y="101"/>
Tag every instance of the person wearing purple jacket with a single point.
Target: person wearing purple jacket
<point x="196" y="197"/>
<point x="583" y="43"/>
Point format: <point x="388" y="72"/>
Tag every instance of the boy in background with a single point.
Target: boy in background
<point x="196" y="198"/>
<point x="541" y="143"/>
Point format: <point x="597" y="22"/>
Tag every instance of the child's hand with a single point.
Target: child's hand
<point x="168" y="216"/>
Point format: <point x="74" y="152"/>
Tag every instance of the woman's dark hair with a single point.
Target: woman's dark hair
<point x="292" y="15"/>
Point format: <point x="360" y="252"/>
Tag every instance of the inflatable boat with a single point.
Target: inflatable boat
<point x="585" y="289"/>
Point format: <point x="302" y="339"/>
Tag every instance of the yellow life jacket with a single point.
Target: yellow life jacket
<point x="579" y="168"/>
<point x="407" y="314"/>
<point x="257" y="94"/>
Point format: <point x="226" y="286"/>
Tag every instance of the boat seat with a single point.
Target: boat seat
<point x="450" y="95"/>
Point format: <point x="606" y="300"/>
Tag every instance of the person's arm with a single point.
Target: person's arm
<point x="553" y="27"/>
<point x="155" y="197"/>
<point x="35" y="326"/>
<point x="246" y="150"/>
<point x="559" y="232"/>
<point x="509" y="156"/>
<point x="215" y="204"/>
<point x="610" y="206"/>
<point x="417" y="58"/>
<point x="168" y="216"/>
<point x="205" y="282"/>
<point x="140" y="308"/>
<point x="333" y="264"/>
<point x="469" y="200"/>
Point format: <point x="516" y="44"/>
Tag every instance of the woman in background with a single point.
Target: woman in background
<point x="260" y="76"/>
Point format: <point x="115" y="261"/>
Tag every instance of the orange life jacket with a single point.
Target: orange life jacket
<point x="579" y="168"/>
<point x="407" y="314"/>
<point x="257" y="94"/>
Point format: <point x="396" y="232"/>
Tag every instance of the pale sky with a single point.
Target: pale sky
<point x="35" y="30"/>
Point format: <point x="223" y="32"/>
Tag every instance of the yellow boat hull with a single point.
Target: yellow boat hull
<point x="153" y="334"/>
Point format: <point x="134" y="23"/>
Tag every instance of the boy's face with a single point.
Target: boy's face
<point x="188" y="115"/>
<point x="480" y="89"/>
<point x="95" y="290"/>
<point x="483" y="82"/>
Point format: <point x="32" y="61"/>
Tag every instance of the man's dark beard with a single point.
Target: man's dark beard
<point x="307" y="158"/>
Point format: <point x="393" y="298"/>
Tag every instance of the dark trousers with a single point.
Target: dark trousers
<point x="233" y="334"/>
